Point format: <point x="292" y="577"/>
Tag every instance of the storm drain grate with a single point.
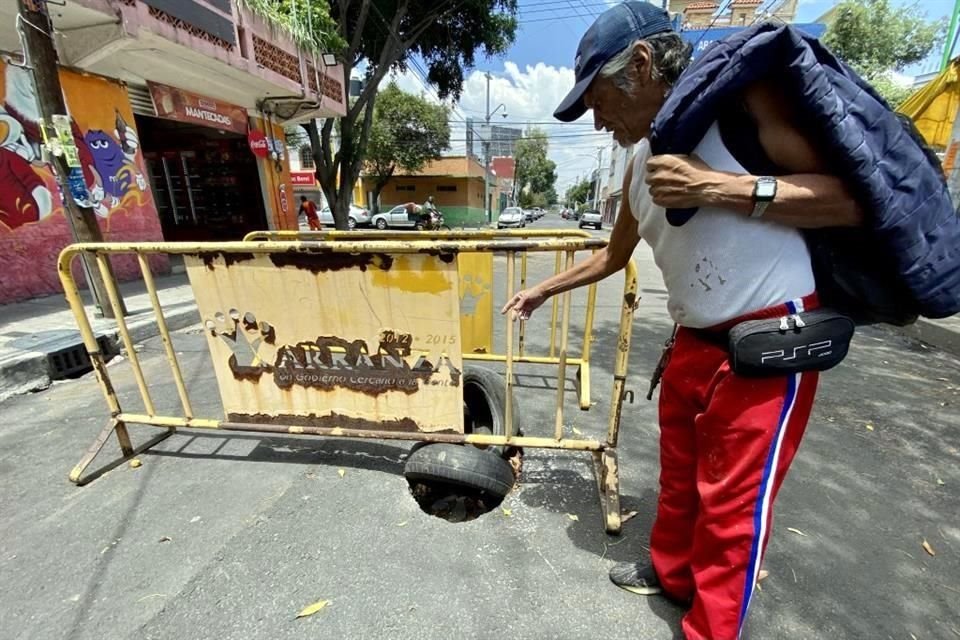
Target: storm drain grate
<point x="73" y="361"/>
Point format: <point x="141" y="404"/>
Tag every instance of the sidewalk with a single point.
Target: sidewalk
<point x="38" y="336"/>
<point x="942" y="334"/>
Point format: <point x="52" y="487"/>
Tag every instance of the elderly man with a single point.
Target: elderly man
<point x="724" y="221"/>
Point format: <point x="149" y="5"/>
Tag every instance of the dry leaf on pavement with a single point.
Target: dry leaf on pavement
<point x="507" y="512"/>
<point x="165" y="539"/>
<point x="577" y="431"/>
<point x="402" y="524"/>
<point x="926" y="547"/>
<point x="869" y="427"/>
<point x="796" y="531"/>
<point x="342" y="472"/>
<point x="625" y="516"/>
<point x="135" y="463"/>
<point x="573" y="517"/>
<point x="940" y="482"/>
<point x="762" y="575"/>
<point x="313" y="608"/>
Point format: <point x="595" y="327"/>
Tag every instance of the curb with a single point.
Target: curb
<point x="30" y="370"/>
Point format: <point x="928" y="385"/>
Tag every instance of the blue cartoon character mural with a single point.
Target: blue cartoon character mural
<point x="113" y="163"/>
<point x="108" y="162"/>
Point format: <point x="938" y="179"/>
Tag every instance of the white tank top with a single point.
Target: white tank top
<point x="721" y="264"/>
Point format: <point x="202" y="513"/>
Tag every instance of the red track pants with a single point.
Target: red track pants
<point x="726" y="443"/>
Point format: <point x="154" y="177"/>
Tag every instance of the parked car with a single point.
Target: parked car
<point x="358" y="217"/>
<point x="591" y="219"/>
<point x="511" y="217"/>
<point x="396" y="217"/>
<point x="528" y="215"/>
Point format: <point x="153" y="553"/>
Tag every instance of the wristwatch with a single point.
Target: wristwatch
<point x="764" y="191"/>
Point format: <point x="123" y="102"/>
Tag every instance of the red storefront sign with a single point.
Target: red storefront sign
<point x="303" y="178"/>
<point x="184" y="106"/>
<point x="258" y="143"/>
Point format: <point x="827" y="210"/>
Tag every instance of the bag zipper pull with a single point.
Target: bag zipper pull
<point x="798" y="322"/>
<point x="784" y="325"/>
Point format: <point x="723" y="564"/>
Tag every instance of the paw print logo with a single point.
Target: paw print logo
<point x="250" y="342"/>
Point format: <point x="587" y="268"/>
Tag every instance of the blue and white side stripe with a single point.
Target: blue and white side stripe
<point x="761" y="510"/>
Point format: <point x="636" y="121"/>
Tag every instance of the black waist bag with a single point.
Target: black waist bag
<point x="809" y="341"/>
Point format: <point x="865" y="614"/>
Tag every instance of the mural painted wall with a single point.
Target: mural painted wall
<point x="33" y="228"/>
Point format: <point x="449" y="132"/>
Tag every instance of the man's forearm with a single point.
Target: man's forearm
<point x="595" y="268"/>
<point x="804" y="201"/>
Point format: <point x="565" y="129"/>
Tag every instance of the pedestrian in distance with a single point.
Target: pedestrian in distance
<point x="308" y="209"/>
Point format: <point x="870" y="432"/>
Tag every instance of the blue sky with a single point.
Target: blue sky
<point x="549" y="33"/>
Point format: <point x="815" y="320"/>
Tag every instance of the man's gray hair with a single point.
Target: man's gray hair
<point x="671" y="55"/>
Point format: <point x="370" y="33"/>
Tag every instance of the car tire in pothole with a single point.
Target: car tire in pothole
<point x="484" y="398"/>
<point x="460" y="466"/>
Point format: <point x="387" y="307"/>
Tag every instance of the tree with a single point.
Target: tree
<point x="406" y="133"/>
<point x="876" y="39"/>
<point x="536" y="174"/>
<point x="377" y="36"/>
<point x="579" y="192"/>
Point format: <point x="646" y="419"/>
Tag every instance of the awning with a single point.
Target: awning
<point x="933" y="107"/>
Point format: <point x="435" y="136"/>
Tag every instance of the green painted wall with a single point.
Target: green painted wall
<point x="464" y="216"/>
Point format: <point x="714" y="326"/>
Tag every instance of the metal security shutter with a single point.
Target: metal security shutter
<point x="140" y="101"/>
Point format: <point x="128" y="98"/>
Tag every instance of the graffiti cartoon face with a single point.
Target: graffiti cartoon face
<point x="109" y="162"/>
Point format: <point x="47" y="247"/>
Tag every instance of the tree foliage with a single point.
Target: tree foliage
<point x="536" y="174"/>
<point x="378" y="36"/>
<point x="407" y="132"/>
<point x="579" y="192"/>
<point x="876" y="39"/>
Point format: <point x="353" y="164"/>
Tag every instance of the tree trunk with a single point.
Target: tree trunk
<point x="41" y="55"/>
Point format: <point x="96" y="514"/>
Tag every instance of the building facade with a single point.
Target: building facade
<point x="456" y="184"/>
<point x="178" y="132"/>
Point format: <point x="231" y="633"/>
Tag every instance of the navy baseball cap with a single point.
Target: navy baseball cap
<point x="613" y="31"/>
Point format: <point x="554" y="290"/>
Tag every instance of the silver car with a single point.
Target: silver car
<point x="591" y="219"/>
<point x="358" y="217"/>
<point x="511" y="217"/>
<point x="396" y="217"/>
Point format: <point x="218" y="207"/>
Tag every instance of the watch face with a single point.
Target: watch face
<point x="766" y="189"/>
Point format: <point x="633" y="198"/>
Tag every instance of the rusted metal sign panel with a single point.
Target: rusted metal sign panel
<point x="369" y="341"/>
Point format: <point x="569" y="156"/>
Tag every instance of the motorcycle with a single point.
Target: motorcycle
<point x="431" y="221"/>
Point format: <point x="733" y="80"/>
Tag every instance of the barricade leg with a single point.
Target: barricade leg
<point x="607" y="471"/>
<point x="126" y="448"/>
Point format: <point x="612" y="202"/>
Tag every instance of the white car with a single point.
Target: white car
<point x="396" y="217"/>
<point x="511" y="217"/>
<point x="358" y="217"/>
<point x="591" y="219"/>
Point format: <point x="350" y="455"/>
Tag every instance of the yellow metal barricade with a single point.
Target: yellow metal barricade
<point x="309" y="366"/>
<point x="476" y="292"/>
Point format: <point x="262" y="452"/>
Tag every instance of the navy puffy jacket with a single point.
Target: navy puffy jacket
<point x="912" y="227"/>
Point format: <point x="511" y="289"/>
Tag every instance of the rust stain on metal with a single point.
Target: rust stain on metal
<point x="319" y="262"/>
<point x="229" y="259"/>
<point x="97" y="360"/>
<point x="444" y="254"/>
<point x="331" y="421"/>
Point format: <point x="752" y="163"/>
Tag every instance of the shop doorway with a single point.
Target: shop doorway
<point x="205" y="181"/>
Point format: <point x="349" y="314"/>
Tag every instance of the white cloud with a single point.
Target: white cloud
<point x="530" y="95"/>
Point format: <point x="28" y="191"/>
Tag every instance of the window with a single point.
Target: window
<point x="306" y="157"/>
<point x="406" y="187"/>
<point x="446" y="187"/>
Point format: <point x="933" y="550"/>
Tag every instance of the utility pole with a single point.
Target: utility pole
<point x="596" y="189"/>
<point x="486" y="151"/>
<point x="486" y="158"/>
<point x="951" y="36"/>
<point x="40" y="57"/>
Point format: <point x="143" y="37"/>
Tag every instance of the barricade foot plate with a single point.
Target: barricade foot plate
<point x="128" y="451"/>
<point x="608" y="483"/>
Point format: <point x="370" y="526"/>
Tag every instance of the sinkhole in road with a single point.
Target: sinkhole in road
<point x="456" y="503"/>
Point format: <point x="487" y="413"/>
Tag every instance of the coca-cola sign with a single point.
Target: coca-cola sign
<point x="258" y="143"/>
